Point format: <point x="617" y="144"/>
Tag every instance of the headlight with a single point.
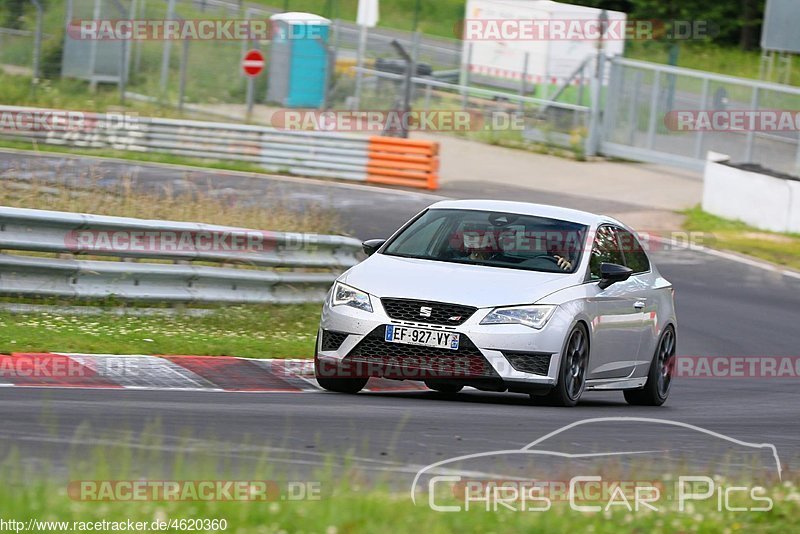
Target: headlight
<point x="532" y="316"/>
<point x="344" y="295"/>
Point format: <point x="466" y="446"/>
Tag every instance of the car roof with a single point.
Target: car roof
<point x="527" y="208"/>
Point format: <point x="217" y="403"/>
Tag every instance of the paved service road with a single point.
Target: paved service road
<point x="725" y="308"/>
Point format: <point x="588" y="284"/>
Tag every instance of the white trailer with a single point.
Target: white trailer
<point x="555" y="38"/>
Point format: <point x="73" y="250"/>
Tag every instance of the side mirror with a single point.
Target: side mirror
<point x="371" y="247"/>
<point x="611" y="273"/>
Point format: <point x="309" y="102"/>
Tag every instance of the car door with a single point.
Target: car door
<point x="617" y="312"/>
<point x="642" y="288"/>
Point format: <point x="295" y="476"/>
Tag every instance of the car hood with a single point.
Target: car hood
<point x="471" y="285"/>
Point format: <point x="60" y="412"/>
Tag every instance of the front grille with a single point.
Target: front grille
<point x="466" y="362"/>
<point x="433" y="312"/>
<point x="529" y="362"/>
<point x="332" y="340"/>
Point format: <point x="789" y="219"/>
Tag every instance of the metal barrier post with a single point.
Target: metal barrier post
<point x="166" y="50"/>
<point x="748" y="151"/>
<point x="362" y="45"/>
<point x="93" y="49"/>
<point x="651" y="125"/>
<point x="615" y="78"/>
<point x="797" y="157"/>
<point x="465" y="78"/>
<point x="522" y="82"/>
<point x="184" y="67"/>
<point x="37" y="43"/>
<point x="139" y="12"/>
<point x="633" y="122"/>
<point x="593" y="136"/>
<point x="698" y="141"/>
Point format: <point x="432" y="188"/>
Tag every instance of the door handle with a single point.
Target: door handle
<point x="639" y="304"/>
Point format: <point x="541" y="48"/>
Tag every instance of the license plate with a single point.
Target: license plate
<point x="421" y="336"/>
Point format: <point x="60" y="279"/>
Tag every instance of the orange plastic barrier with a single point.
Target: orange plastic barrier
<point x="405" y="162"/>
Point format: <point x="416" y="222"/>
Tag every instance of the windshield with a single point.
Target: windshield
<point x="492" y="239"/>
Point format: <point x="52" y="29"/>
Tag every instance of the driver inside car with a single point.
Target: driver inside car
<point x="479" y="246"/>
<point x="562" y="257"/>
<point x="563" y="262"/>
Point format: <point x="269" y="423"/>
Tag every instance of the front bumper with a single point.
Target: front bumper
<point x="515" y="356"/>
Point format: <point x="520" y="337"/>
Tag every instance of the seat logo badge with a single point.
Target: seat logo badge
<point x="425" y="311"/>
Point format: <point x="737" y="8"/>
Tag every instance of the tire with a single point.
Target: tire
<point x="572" y="372"/>
<point x="443" y="386"/>
<point x="336" y="384"/>
<point x="659" y="377"/>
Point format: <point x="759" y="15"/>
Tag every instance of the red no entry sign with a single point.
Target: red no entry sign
<point x="253" y="63"/>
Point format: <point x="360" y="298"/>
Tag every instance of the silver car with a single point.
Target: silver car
<point x="503" y="296"/>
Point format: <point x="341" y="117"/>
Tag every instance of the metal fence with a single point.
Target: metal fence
<point x="557" y="123"/>
<point x="16" y="48"/>
<point x="156" y="67"/>
<point x="193" y="262"/>
<point x="641" y="96"/>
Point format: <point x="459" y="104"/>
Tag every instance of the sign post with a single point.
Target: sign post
<point x="252" y="65"/>
<point x="367" y="18"/>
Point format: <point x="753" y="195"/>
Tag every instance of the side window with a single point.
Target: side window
<point x="635" y="257"/>
<point x="605" y="249"/>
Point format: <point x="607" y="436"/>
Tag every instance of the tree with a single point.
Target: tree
<point x="13" y="12"/>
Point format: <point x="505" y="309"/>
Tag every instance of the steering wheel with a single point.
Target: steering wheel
<point x="547" y="257"/>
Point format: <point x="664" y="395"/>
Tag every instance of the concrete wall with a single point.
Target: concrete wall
<point x="760" y="200"/>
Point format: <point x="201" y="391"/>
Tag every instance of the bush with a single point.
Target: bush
<point x="52" y="56"/>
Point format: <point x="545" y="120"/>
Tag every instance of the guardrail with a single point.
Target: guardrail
<point x="301" y="153"/>
<point x="302" y="266"/>
<point x="405" y="162"/>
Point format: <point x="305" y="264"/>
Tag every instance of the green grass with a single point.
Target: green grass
<point x="286" y="331"/>
<point x="382" y="511"/>
<point x="782" y="249"/>
<point x="702" y="56"/>
<point x="68" y="93"/>
<point x="346" y="502"/>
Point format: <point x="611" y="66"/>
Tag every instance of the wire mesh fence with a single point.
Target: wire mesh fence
<point x="671" y="115"/>
<point x="213" y="67"/>
<point x="16" y="47"/>
<point x="470" y="110"/>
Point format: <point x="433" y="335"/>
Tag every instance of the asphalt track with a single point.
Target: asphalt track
<point x="725" y="308"/>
